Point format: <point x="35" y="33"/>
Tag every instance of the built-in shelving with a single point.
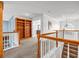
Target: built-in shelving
<point x="23" y="27"/>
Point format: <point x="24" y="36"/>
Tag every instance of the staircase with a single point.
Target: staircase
<point x="73" y="51"/>
<point x="65" y="50"/>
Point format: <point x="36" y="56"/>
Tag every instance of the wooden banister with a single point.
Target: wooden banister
<point x="38" y="49"/>
<point x="61" y="39"/>
<point x="76" y="42"/>
<point x="56" y="39"/>
<point x="1" y="29"/>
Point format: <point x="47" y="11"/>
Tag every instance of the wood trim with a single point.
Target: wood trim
<point x="61" y="39"/>
<point x="38" y="49"/>
<point x="1" y="30"/>
<point x="25" y="28"/>
<point x="31" y="28"/>
<point x="16" y="29"/>
<point x="56" y="39"/>
<point x="1" y="5"/>
<point x="24" y="19"/>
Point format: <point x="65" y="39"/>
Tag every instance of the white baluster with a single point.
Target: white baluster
<point x="4" y="42"/>
<point x="68" y="51"/>
<point x="45" y="48"/>
<point x="42" y="48"/>
<point x="78" y="51"/>
<point x="49" y="47"/>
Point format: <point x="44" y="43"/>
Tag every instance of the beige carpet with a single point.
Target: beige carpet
<point x="27" y="49"/>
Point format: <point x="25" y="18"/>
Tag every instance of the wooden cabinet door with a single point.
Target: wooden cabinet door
<point x="1" y="33"/>
<point x="23" y="27"/>
<point x="28" y="29"/>
<point x="20" y="28"/>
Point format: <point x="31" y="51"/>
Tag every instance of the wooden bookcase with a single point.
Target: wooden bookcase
<point x="28" y="28"/>
<point x="20" y="28"/>
<point x="23" y="27"/>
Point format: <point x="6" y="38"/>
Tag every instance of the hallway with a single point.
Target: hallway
<point x="42" y="27"/>
<point x="27" y="49"/>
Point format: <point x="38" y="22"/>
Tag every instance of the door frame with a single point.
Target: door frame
<point x="1" y="30"/>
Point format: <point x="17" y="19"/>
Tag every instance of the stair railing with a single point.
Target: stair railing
<point x="10" y="40"/>
<point x="56" y="38"/>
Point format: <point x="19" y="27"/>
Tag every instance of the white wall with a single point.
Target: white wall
<point x="76" y="23"/>
<point x="73" y="24"/>
<point x="5" y="26"/>
<point x="44" y="23"/>
<point x="35" y="27"/>
<point x="11" y="24"/>
<point x="55" y="25"/>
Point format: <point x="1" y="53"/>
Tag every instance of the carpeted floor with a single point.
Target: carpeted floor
<point x="27" y="49"/>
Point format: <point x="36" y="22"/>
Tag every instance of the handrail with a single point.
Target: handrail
<point x="61" y="39"/>
<point x="54" y="38"/>
<point x="11" y="40"/>
<point x="11" y="33"/>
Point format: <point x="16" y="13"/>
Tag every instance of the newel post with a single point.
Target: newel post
<point x="56" y="39"/>
<point x="38" y="49"/>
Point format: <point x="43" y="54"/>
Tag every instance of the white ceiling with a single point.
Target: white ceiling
<point x="55" y="9"/>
